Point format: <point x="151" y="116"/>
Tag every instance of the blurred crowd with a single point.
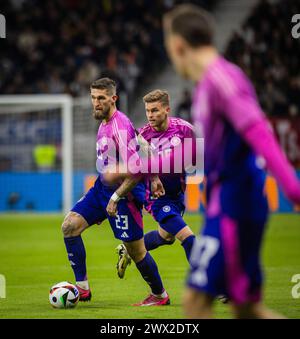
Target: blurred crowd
<point x="265" y="49"/>
<point x="61" y="46"/>
<point x="183" y="109"/>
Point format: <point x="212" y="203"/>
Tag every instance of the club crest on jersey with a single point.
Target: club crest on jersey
<point x="166" y="209"/>
<point x="104" y="141"/>
<point x="175" y="141"/>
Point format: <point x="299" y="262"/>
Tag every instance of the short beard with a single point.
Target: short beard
<point x="100" y="116"/>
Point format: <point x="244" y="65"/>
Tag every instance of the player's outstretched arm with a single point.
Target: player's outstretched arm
<point x="127" y="186"/>
<point x="150" y="165"/>
<point x="263" y="142"/>
<point x="246" y="116"/>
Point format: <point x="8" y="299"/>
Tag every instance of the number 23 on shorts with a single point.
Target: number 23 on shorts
<point x="122" y="222"/>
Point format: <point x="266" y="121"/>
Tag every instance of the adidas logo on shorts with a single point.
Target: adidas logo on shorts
<point x="124" y="235"/>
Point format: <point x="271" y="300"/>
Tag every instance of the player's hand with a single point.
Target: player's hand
<point x="111" y="208"/>
<point x="157" y="188"/>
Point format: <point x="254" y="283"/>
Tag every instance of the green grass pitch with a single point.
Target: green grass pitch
<point x="33" y="258"/>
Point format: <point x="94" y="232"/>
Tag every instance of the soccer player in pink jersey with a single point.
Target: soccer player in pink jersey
<point x="226" y="259"/>
<point x="114" y="145"/>
<point x="161" y="133"/>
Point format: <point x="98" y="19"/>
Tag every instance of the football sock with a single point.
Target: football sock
<point x="150" y="274"/>
<point x="162" y="295"/>
<point x="83" y="284"/>
<point x="187" y="244"/>
<point x="77" y="256"/>
<point x="153" y="240"/>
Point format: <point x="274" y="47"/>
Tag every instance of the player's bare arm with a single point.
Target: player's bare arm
<point x="157" y="188"/>
<point x="127" y="186"/>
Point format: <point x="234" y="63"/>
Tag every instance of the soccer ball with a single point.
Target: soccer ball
<point x="64" y="295"/>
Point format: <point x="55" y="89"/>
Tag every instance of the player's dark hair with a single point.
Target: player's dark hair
<point x="105" y="83"/>
<point x="191" y="22"/>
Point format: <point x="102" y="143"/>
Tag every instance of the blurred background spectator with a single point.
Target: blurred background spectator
<point x="61" y="46"/>
<point x="265" y="49"/>
<point x="183" y="110"/>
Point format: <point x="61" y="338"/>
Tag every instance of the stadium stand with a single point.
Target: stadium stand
<point x="66" y="44"/>
<point x="265" y="48"/>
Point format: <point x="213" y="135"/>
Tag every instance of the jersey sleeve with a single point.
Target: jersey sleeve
<point x="242" y="110"/>
<point x="188" y="131"/>
<point x="238" y="102"/>
<point x="126" y="141"/>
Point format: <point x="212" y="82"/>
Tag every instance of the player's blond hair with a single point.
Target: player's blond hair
<point x="157" y="95"/>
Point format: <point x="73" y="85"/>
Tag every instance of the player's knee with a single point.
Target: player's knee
<point x="184" y="233"/>
<point x="137" y="255"/>
<point x="136" y="250"/>
<point x="168" y="237"/>
<point x="170" y="241"/>
<point x="70" y="227"/>
<point x="176" y="228"/>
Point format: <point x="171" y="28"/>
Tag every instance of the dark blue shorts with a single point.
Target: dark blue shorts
<point x="127" y="225"/>
<point x="226" y="257"/>
<point x="164" y="210"/>
<point x="225" y="262"/>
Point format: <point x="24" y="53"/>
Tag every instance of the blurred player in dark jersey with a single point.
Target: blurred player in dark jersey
<point x="114" y="144"/>
<point x="226" y="259"/>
